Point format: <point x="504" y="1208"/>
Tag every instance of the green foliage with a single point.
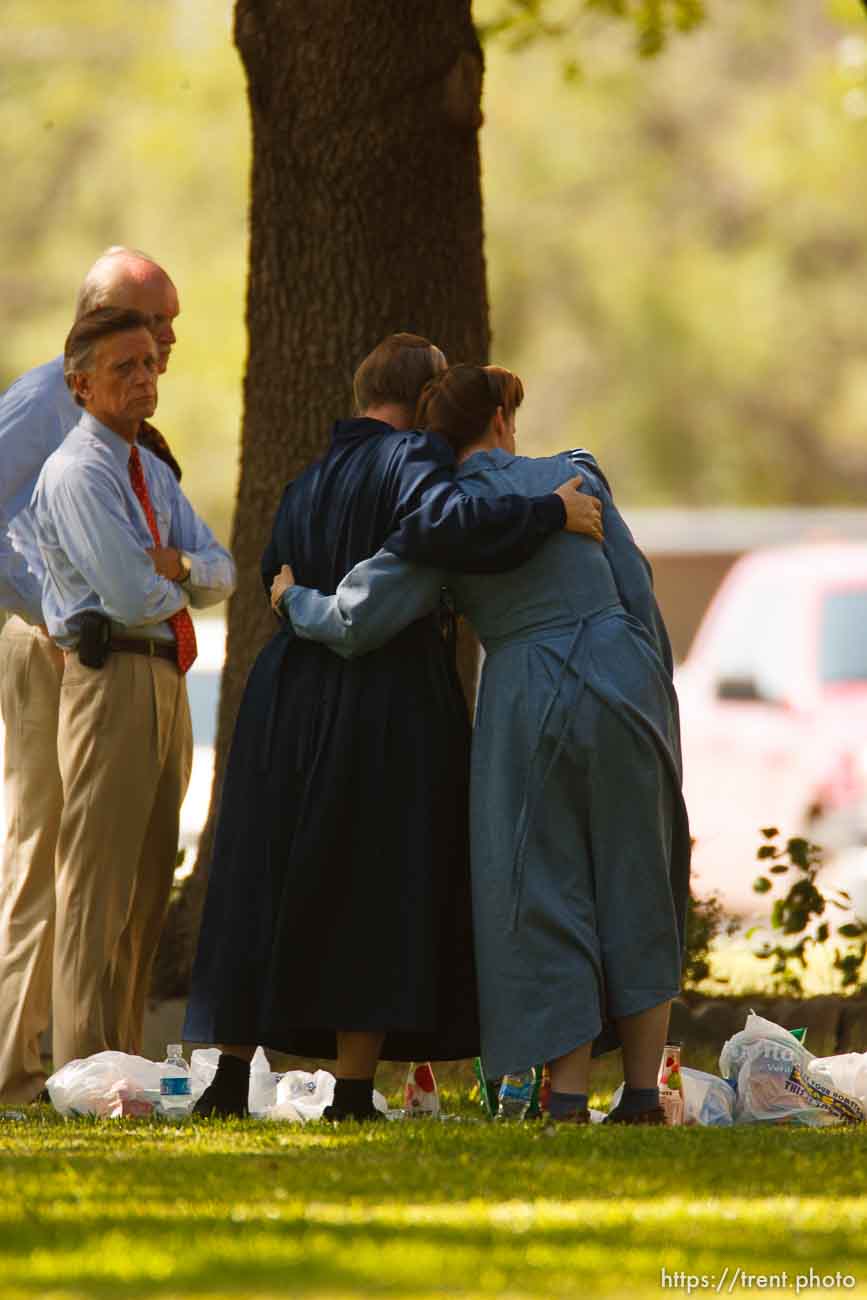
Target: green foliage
<point x="795" y="916"/>
<point x="675" y="245"/>
<point x="131" y="130"/>
<point x="676" y="250"/>
<point x="128" y="1210"/>
<point x="520" y="23"/>
<point x="706" y="920"/>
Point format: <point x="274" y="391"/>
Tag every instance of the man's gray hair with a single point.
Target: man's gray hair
<point x="104" y="274"/>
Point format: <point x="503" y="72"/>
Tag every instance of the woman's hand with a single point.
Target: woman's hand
<point x="583" y="512"/>
<point x="285" y="579"/>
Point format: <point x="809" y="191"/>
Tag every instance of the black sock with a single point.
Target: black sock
<point x="561" y="1104"/>
<point x="226" y="1094"/>
<point x="233" y="1074"/>
<point x="635" y="1100"/>
<point x="354" y="1096"/>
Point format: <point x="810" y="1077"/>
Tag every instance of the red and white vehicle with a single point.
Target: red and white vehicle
<point x="773" y="700"/>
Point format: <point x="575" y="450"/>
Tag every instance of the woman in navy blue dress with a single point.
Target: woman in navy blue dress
<point x="337" y="920"/>
<point x="580" y="841"/>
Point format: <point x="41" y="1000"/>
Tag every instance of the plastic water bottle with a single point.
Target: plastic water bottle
<point x="175" y="1098"/>
<point x="516" y="1093"/>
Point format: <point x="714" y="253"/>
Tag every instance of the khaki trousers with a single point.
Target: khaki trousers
<point x="125" y="751"/>
<point x="31" y="668"/>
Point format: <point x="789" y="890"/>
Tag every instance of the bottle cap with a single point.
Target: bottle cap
<point x="175" y="1049"/>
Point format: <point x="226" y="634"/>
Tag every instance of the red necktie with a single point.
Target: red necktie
<point x="180" y="623"/>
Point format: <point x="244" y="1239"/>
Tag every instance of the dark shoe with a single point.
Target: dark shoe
<point x="656" y="1115"/>
<point x="221" y="1103"/>
<point x="337" y="1115"/>
<point x="569" y="1120"/>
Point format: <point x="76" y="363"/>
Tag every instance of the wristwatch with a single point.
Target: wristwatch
<point x="186" y="566"/>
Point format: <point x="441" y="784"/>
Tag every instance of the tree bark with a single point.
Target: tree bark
<point x="366" y="218"/>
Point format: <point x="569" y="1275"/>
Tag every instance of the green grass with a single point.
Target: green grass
<point x="126" y="1209"/>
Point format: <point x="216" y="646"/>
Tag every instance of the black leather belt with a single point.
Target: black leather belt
<point x="145" y="646"/>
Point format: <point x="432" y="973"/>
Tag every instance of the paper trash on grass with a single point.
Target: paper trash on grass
<point x="109" y="1083"/>
<point x="768" y="1077"/>
<point x="778" y="1081"/>
<point x="115" y="1084"/>
<point x="707" y="1099"/>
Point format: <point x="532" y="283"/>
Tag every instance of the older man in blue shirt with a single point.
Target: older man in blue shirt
<point x="124" y="556"/>
<point x="36" y="413"/>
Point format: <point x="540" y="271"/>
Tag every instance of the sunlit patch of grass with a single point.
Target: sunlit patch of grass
<point x="461" y="1208"/>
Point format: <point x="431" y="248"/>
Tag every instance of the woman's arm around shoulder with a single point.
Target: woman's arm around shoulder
<point x="439" y="524"/>
<point x="377" y="599"/>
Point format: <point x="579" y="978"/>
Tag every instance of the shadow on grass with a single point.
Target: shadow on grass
<point x="132" y="1209"/>
<point x="435" y="1163"/>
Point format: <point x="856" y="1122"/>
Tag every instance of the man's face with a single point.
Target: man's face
<point x="120" y="389"/>
<point x="157" y="297"/>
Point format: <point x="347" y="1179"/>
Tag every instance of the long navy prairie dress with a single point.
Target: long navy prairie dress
<point x="339" y="893"/>
<point x="579" y="832"/>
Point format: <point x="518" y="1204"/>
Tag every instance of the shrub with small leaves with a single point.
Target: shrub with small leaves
<point x="706" y="919"/>
<point x="796" y="915"/>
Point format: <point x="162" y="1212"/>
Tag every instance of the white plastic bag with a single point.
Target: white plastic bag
<point x="758" y="1029"/>
<point x="707" y="1099"/>
<point x="203" y="1067"/>
<point x="100" y="1084"/>
<point x="126" y="1098"/>
<point x="846" y="1073"/>
<point x="113" y="1084"/>
<point x="775" y="1082"/>
<point x="302" y="1096"/>
<point x="263" y="1085"/>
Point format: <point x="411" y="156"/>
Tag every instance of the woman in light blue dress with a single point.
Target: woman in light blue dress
<point x="579" y="835"/>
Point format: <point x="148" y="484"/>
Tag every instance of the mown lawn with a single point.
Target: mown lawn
<point x="459" y="1208"/>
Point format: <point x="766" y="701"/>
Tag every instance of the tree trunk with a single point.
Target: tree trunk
<point x="366" y="218"/>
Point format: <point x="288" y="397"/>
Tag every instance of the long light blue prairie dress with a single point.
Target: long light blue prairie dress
<point x="579" y="834"/>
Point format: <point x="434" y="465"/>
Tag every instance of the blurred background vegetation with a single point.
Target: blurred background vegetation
<point x="676" y="246"/>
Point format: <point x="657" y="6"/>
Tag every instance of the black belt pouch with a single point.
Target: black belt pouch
<point x="94" y="639"/>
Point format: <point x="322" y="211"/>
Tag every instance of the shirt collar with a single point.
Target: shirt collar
<point x="491" y="458"/>
<point x="118" y="446"/>
<point x="361" y="426"/>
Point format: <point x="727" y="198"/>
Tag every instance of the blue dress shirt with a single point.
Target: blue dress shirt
<point x="94" y="538"/>
<point x="36" y="413"/>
